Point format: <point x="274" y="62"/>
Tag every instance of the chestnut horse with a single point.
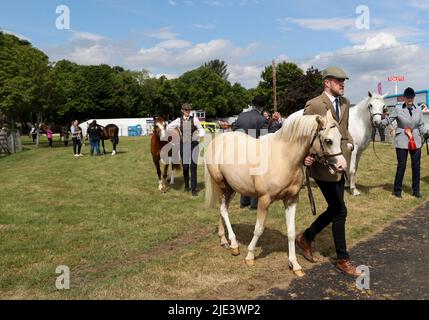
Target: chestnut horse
<point x="110" y="132"/>
<point x="156" y="149"/>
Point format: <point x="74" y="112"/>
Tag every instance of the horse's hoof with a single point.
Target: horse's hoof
<point x="235" y="251"/>
<point x="113" y="153"/>
<point x="250" y="263"/>
<point x="225" y="245"/>
<point x="356" y="192"/>
<point x="299" y="273"/>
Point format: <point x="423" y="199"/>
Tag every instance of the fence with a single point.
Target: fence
<point x="10" y="142"/>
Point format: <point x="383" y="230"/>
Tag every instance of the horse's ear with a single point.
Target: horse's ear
<point x="319" y="120"/>
<point x="369" y="94"/>
<point x="154" y="118"/>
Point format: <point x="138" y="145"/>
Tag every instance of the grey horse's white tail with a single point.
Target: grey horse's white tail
<point x="212" y="190"/>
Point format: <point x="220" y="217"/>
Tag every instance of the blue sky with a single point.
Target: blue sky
<point x="172" y="36"/>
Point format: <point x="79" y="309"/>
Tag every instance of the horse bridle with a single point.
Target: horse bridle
<point x="323" y="158"/>
<point x="371" y="115"/>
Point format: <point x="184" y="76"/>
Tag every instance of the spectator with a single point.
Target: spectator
<point x="94" y="133"/>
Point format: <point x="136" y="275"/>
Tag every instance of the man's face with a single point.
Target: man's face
<point x="335" y="86"/>
<point x="266" y="115"/>
<point x="409" y="101"/>
<point x="186" y="113"/>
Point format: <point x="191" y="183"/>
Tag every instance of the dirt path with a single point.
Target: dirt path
<point x="398" y="260"/>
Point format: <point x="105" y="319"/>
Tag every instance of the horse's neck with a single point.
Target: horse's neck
<point x="361" y="112"/>
<point x="294" y="151"/>
<point x="360" y="118"/>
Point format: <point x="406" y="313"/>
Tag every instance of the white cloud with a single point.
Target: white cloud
<point x="318" y="24"/>
<point x="87" y="49"/>
<point x="400" y="32"/>
<point x="215" y="3"/>
<point x="204" y="26"/>
<point x="162" y="57"/>
<point x="374" y="60"/>
<point x="172" y="2"/>
<point x="167" y="75"/>
<point x="247" y="75"/>
<point x="420" y="4"/>
<point x="162" y="34"/>
<point x="174" y="44"/>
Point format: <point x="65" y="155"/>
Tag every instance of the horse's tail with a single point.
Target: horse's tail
<point x="212" y="190"/>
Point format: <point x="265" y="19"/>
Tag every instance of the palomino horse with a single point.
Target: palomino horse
<point x="275" y="175"/>
<point x="363" y="117"/>
<point x="110" y="132"/>
<point x="156" y="148"/>
<point x="63" y="131"/>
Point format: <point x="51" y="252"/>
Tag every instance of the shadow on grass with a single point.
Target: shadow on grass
<point x="179" y="183"/>
<point x="273" y="241"/>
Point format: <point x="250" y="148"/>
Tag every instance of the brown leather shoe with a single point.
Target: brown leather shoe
<point x="345" y="266"/>
<point x="305" y="246"/>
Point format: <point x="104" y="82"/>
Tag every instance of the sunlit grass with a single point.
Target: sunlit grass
<point x="105" y="218"/>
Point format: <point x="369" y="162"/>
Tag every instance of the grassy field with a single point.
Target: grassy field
<point x="105" y="219"/>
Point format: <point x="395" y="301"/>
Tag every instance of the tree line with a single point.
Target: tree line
<point x="34" y="89"/>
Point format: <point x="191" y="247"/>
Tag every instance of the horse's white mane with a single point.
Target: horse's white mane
<point x="298" y="129"/>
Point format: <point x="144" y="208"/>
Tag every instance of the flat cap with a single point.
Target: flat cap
<point x="186" y="106"/>
<point x="334" y="72"/>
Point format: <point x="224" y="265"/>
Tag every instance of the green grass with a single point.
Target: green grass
<point x="105" y="218"/>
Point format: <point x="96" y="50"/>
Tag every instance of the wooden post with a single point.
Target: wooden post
<point x="274" y="86"/>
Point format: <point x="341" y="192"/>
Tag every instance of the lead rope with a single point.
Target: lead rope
<point x="309" y="191"/>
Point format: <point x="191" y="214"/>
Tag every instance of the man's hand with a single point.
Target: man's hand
<point x="308" y="161"/>
<point x="350" y="146"/>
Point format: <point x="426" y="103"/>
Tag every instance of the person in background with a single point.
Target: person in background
<point x="94" y="133"/>
<point x="76" y="138"/>
<point x="191" y="133"/>
<point x="408" y="139"/>
<point x="266" y="115"/>
<point x="252" y="122"/>
<point x="49" y="135"/>
<point x="380" y="131"/>
<point x="33" y="133"/>
<point x="275" y="123"/>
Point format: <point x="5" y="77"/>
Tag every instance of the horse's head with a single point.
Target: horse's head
<point x="159" y="125"/>
<point x="377" y="108"/>
<point x="326" y="144"/>
<point x="43" y="127"/>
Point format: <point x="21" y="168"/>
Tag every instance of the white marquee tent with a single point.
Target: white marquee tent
<point x="123" y="124"/>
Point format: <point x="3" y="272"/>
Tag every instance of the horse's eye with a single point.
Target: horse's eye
<point x="328" y="142"/>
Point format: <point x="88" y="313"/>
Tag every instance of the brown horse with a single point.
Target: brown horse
<point x="156" y="149"/>
<point x="110" y="132"/>
<point x="63" y="131"/>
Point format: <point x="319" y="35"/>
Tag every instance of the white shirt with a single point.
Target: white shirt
<point x="332" y="98"/>
<point x="201" y="132"/>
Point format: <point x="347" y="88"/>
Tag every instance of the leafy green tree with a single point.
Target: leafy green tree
<point x="23" y="72"/>
<point x="219" y="67"/>
<point x="300" y="91"/>
<point x="286" y="74"/>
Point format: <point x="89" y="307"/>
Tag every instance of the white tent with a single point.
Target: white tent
<point x="123" y="124"/>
